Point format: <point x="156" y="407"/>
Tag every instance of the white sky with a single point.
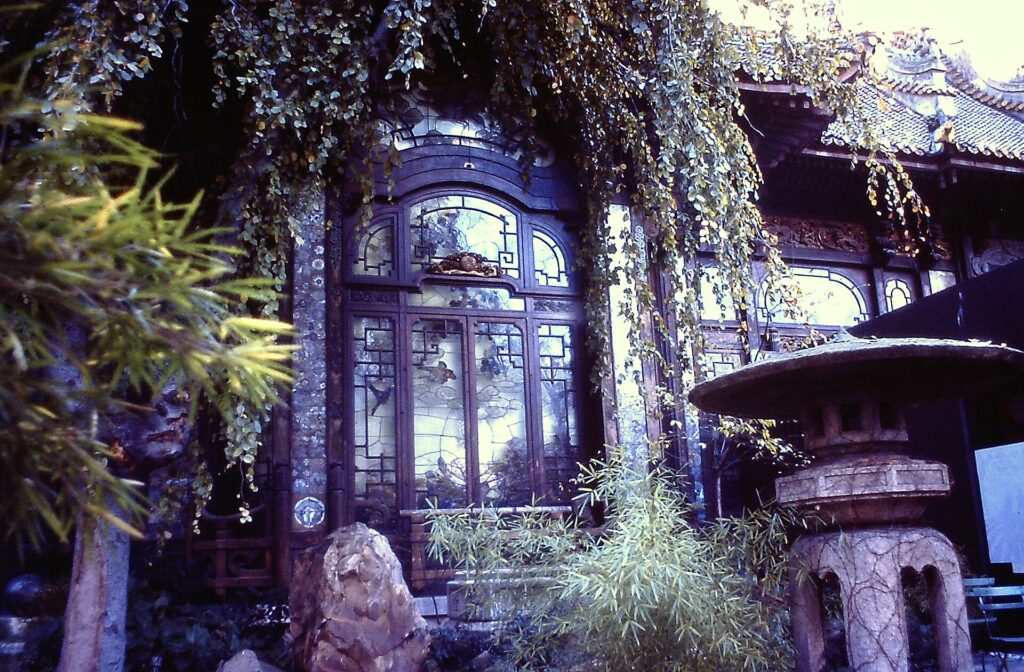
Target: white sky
<point x="992" y="31"/>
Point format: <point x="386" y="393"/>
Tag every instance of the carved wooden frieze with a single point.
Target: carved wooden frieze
<point x="819" y="234"/>
<point x="373" y="296"/>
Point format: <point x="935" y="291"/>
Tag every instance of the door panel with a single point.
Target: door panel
<point x="503" y="455"/>
<point x="559" y="403"/>
<point x="374" y="435"/>
<point x="439" y="430"/>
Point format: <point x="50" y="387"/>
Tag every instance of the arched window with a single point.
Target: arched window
<point x="375" y="253"/>
<point x="443" y="226"/>
<point x="827" y="297"/>
<point x="549" y="261"/>
<point x="897" y="294"/>
<point x="465" y="325"/>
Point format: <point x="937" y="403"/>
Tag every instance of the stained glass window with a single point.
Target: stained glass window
<point x="464" y="387"/>
<point x="461" y="296"/>
<point x="374" y="422"/>
<point x="501" y="414"/>
<point x="374" y="251"/>
<point x="940" y="280"/>
<point x="443" y="226"/>
<point x="558" y="404"/>
<point x="549" y="261"/>
<point x="718" y="363"/>
<point x="432" y="128"/>
<point x="711" y="307"/>
<point x="439" y="426"/>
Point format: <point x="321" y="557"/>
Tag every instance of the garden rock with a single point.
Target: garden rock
<point x="246" y="661"/>
<point x="351" y="610"/>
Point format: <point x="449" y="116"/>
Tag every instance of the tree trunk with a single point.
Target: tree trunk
<point x="94" y="623"/>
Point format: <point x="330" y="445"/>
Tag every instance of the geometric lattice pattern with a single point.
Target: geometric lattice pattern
<point x="375" y="496"/>
<point x="444" y="226"/>
<point x="501" y="414"/>
<point x="549" y="261"/>
<point x="558" y="396"/>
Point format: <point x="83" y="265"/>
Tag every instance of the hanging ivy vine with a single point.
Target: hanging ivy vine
<point x="646" y="92"/>
<point x="95" y="46"/>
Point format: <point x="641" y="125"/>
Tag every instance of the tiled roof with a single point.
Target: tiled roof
<point x="900" y="128"/>
<point x="918" y="88"/>
<point x="1000" y="95"/>
<point x="925" y="102"/>
<point x="982" y="129"/>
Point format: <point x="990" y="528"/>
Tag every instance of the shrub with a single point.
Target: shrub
<point x="654" y="592"/>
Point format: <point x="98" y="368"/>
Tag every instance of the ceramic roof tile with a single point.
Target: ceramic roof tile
<point x="925" y="102"/>
<point x="898" y="126"/>
<point x="980" y="129"/>
<point x="977" y="127"/>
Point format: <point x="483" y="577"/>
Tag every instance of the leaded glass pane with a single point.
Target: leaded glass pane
<point x="897" y="293"/>
<point x="439" y="426"/>
<point x="549" y="261"/>
<point x="478" y="298"/>
<point x="940" y="280"/>
<point x="444" y="226"/>
<point x="826" y="297"/>
<point x="435" y="129"/>
<point x="374" y="422"/>
<point x="711" y="306"/>
<point x="501" y="414"/>
<point x="374" y="252"/>
<point x="558" y="409"/>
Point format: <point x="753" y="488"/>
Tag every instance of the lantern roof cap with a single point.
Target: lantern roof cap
<point x="906" y="370"/>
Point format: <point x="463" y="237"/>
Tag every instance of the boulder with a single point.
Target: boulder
<point x="351" y="610"/>
<point x="246" y="661"/>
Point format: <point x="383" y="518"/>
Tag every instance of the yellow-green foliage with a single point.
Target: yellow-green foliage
<point x="104" y="288"/>
<point x="653" y="592"/>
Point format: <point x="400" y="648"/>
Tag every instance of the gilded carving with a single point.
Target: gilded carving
<point x="465" y="263"/>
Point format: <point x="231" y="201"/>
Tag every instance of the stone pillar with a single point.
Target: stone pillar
<point x="867" y="494"/>
<point x="630" y="404"/>
<point x="309" y="394"/>
<point x="808" y="629"/>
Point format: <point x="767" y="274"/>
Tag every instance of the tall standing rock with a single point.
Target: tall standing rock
<point x="351" y="610"/>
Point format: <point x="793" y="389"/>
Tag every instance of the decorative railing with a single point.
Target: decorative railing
<point x="234" y="561"/>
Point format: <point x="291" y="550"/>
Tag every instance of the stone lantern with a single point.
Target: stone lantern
<point x="868" y="493"/>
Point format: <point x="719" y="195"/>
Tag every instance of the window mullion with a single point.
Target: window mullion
<point x="471" y="411"/>
<point x="405" y="454"/>
<point x="535" y="444"/>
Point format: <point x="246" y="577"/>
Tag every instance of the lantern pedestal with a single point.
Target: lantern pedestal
<point x="868" y="564"/>
<point x="863" y="487"/>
